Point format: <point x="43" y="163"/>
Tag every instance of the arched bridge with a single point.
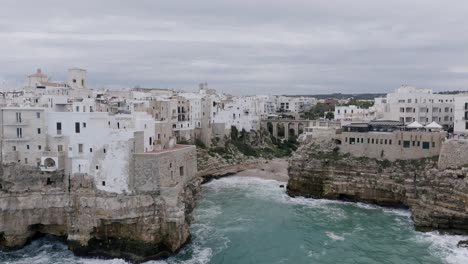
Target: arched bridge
<point x="285" y="128"/>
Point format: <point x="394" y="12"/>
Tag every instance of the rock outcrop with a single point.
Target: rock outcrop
<point x="438" y="199"/>
<point x="137" y="227"/>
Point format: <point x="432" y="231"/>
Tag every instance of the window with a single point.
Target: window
<point x="27" y="146"/>
<point x="84" y="125"/>
<point x="59" y="128"/>
<point x="104" y="150"/>
<point x="77" y="109"/>
<point x="18" y="117"/>
<point x="433" y="144"/>
<point x="406" y="143"/>
<point x="425" y="145"/>
<point x="77" y="127"/>
<point x="38" y="131"/>
<point x="103" y="183"/>
<point x="389" y="141"/>
<point x="90" y="149"/>
<point x="38" y="114"/>
<point x="181" y="170"/>
<point x="60" y="148"/>
<point x="372" y="141"/>
<point x="97" y="167"/>
<point x="80" y="148"/>
<point x="39" y="147"/>
<point x="19" y="132"/>
<point x="14" y="148"/>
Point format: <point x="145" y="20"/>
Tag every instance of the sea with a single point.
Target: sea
<point x="251" y="220"/>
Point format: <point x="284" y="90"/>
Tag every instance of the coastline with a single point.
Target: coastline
<point x="275" y="169"/>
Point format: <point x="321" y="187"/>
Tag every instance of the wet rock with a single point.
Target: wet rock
<point x="463" y="244"/>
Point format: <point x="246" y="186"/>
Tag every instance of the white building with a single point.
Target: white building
<point x="354" y="113"/>
<point x="408" y="104"/>
<point x="461" y="115"/>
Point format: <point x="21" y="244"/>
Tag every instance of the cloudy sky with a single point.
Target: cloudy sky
<point x="241" y="46"/>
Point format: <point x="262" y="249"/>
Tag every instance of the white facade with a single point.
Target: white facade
<point x="354" y="113"/>
<point x="408" y="104"/>
<point x="461" y="115"/>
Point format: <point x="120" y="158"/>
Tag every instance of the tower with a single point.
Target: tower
<point x="77" y="78"/>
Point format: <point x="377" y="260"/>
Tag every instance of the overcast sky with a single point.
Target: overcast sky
<point x="240" y="46"/>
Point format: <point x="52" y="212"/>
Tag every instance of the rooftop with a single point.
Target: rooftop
<point x="176" y="147"/>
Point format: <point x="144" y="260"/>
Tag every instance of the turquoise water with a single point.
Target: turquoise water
<point x="250" y="220"/>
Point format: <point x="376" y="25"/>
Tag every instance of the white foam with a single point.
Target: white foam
<point x="445" y="246"/>
<point x="334" y="236"/>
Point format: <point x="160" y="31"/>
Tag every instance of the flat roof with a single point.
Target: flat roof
<point x="176" y="147"/>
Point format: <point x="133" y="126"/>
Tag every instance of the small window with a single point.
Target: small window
<point x="406" y="143"/>
<point x="39" y="147"/>
<point x="90" y="149"/>
<point x="181" y="170"/>
<point x="14" y="148"/>
<point x="84" y="125"/>
<point x="80" y="148"/>
<point x="103" y="183"/>
<point x="104" y="150"/>
<point x="77" y="127"/>
<point x="97" y="167"/>
<point x="433" y="144"/>
<point x="60" y="148"/>
<point x="38" y="114"/>
<point x="425" y="145"/>
<point x="38" y="131"/>
<point x="27" y="146"/>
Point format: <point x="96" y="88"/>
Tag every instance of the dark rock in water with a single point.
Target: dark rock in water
<point x="281" y="186"/>
<point x="463" y="244"/>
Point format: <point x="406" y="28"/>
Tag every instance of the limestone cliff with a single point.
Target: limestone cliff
<point x="438" y="199"/>
<point x="137" y="227"/>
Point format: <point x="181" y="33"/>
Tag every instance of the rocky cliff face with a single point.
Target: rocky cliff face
<point x="438" y="199"/>
<point x="137" y="227"/>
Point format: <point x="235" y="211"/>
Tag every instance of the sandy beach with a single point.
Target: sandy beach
<point x="276" y="169"/>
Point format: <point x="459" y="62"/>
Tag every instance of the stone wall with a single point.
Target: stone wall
<point x="391" y="145"/>
<point x="454" y="153"/>
<point x="19" y="178"/>
<point x="164" y="169"/>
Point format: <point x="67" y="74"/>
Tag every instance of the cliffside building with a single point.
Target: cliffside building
<point x="390" y="140"/>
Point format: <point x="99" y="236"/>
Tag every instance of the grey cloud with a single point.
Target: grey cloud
<point x="254" y="47"/>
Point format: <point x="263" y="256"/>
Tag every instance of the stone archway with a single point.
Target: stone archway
<point x="300" y="128"/>
<point x="281" y="130"/>
<point x="270" y="127"/>
<point x="291" y="130"/>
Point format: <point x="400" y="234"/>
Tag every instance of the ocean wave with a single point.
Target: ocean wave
<point x="445" y="246"/>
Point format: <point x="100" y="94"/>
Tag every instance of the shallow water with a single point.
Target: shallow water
<point x="250" y="220"/>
